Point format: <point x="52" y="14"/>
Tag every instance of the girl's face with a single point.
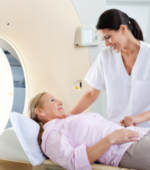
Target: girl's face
<point x="51" y="108"/>
<point x="114" y="39"/>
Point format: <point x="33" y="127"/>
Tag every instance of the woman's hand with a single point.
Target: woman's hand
<point x="123" y="136"/>
<point x="131" y="120"/>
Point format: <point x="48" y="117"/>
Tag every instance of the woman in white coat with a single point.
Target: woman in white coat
<point x="122" y="69"/>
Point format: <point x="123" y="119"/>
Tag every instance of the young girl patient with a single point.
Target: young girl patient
<point x="76" y="141"/>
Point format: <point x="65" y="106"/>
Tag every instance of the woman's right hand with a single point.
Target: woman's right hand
<point x="131" y="120"/>
<point x="123" y="136"/>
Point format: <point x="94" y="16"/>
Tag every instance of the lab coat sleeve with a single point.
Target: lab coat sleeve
<point x="95" y="75"/>
<point x="59" y="150"/>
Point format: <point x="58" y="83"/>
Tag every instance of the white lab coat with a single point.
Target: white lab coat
<point x="127" y="95"/>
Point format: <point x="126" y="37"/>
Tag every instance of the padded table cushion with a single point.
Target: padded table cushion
<point x="49" y="165"/>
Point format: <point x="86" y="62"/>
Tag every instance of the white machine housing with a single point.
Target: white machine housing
<point x="88" y="36"/>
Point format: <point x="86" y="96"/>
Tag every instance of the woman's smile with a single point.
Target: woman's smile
<point x="114" y="46"/>
<point x="60" y="108"/>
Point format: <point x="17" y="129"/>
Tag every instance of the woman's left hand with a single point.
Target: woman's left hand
<point x="130" y="121"/>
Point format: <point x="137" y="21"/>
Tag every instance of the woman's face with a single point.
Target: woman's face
<point x="114" y="39"/>
<point x="51" y="108"/>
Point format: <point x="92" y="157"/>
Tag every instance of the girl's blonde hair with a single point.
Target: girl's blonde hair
<point x="34" y="103"/>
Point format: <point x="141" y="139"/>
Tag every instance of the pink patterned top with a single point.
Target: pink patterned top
<point x="65" y="141"/>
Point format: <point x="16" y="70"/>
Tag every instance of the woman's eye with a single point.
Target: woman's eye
<point x="107" y="37"/>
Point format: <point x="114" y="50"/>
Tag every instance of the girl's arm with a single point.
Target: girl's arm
<point x="117" y="137"/>
<point x="86" y="100"/>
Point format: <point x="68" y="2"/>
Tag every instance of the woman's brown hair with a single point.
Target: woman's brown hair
<point x="113" y="18"/>
<point x="34" y="103"/>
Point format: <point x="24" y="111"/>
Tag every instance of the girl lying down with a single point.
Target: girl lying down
<point x="76" y="141"/>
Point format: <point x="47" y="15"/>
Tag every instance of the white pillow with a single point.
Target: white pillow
<point x="27" y="131"/>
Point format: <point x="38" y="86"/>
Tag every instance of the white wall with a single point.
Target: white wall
<point x="137" y="9"/>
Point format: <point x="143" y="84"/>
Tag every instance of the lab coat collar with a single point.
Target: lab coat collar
<point x="122" y="70"/>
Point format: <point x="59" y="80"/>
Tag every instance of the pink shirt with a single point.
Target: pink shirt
<point x="65" y="141"/>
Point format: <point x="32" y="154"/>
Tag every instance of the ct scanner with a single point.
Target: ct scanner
<point x="40" y="34"/>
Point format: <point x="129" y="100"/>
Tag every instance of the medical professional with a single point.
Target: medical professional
<point x="122" y="69"/>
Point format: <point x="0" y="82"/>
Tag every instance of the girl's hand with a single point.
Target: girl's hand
<point x="131" y="120"/>
<point x="123" y="136"/>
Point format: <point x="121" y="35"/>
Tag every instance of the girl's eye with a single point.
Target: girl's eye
<point x="52" y="100"/>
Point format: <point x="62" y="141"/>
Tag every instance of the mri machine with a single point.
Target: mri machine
<point x="41" y="34"/>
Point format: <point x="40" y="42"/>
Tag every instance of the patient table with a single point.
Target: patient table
<point x="13" y="157"/>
